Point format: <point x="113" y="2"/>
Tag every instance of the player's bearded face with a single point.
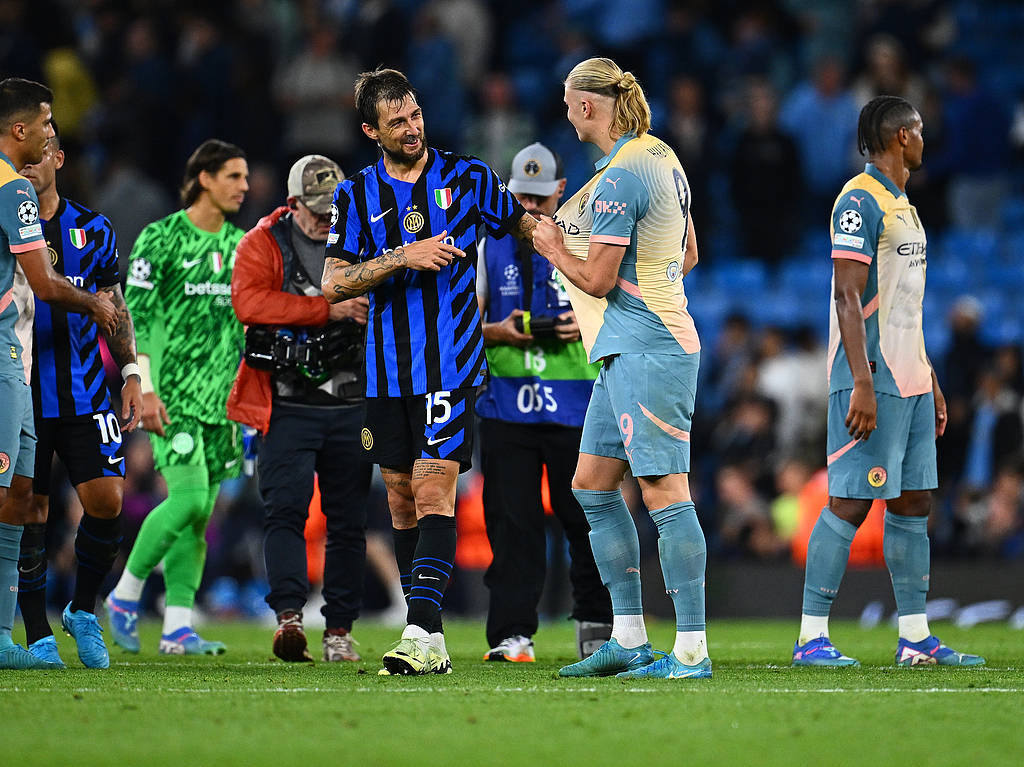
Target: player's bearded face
<point x="401" y="133"/>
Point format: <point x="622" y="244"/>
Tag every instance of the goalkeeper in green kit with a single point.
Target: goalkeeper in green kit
<point x="189" y="341"/>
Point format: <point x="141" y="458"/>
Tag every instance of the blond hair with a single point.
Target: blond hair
<point x="605" y="78"/>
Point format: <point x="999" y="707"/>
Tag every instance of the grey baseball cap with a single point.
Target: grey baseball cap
<point x="535" y="170"/>
<point x="312" y="179"/>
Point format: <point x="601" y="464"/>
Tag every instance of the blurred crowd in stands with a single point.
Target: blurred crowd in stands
<point x="760" y="101"/>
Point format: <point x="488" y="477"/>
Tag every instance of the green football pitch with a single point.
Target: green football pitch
<point x="246" y="708"/>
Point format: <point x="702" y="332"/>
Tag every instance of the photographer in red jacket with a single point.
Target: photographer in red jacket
<point x="301" y="386"/>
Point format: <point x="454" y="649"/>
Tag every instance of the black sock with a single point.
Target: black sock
<point x="405" y="549"/>
<point x="431" y="568"/>
<point x="32" y="582"/>
<point x="96" y="547"/>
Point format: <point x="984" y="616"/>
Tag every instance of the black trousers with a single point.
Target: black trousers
<point x="302" y="440"/>
<point x="512" y="459"/>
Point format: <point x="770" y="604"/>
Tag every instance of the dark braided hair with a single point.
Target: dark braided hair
<point x="879" y="121"/>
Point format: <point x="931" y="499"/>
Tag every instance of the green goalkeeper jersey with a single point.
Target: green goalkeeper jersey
<point x="179" y="293"/>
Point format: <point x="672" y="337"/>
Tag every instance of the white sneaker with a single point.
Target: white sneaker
<point x="518" y="649"/>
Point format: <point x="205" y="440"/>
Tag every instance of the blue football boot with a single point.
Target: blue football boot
<point x="931" y="652"/>
<point x="670" y="667"/>
<point x="88" y="635"/>
<point x="46" y="649"/>
<point x="820" y="652"/>
<point x="123" y="616"/>
<point x="611" y="658"/>
<point x="185" y="641"/>
<point x="18" y="658"/>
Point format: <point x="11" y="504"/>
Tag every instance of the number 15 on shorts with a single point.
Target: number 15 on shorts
<point x="439" y="400"/>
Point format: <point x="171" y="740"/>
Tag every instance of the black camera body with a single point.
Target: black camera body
<point x="539" y="326"/>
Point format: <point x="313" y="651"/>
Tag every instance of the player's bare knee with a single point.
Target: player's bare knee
<point x="852" y="510"/>
<point x="17" y="506"/>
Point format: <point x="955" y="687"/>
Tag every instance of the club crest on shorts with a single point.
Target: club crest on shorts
<point x="182" y="443"/>
<point x="366" y="437"/>
<point x="5" y="463"/>
<point x="877" y="476"/>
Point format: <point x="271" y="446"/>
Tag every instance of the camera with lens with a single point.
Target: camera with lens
<point x="540" y="325"/>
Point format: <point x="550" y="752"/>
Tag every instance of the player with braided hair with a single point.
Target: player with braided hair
<point x="881" y="385"/>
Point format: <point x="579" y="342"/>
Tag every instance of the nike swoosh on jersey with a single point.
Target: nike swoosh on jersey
<point x="186" y="264"/>
<point x="427" y="578"/>
<point x="379" y="216"/>
<point x="114" y="461"/>
<point x="433" y="441"/>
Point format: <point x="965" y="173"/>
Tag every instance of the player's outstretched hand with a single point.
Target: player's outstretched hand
<point x="154" y="414"/>
<point x="131" y="397"/>
<point x="431" y="254"/>
<point x="547" y="238"/>
<point x="357" y="309"/>
<point x="862" y="417"/>
<point x="103" y="313"/>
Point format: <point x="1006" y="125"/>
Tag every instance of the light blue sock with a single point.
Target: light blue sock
<point x="908" y="557"/>
<point x="616" y="547"/>
<point x="684" y="556"/>
<point x="10" y="550"/>
<point x="828" y="550"/>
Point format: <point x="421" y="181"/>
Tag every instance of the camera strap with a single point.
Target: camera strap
<point x="524" y="255"/>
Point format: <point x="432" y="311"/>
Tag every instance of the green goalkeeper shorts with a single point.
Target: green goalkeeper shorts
<point x="191" y="442"/>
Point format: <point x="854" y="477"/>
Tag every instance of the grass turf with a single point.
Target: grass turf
<point x="246" y="707"/>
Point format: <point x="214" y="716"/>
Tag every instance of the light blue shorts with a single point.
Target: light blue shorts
<point x="641" y="411"/>
<point x="17" y="430"/>
<point x="900" y="454"/>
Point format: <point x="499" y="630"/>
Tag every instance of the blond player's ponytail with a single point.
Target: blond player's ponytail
<point x="605" y="78"/>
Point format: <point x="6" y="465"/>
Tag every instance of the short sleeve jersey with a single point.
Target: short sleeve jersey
<point x="424" y="333"/>
<point x="20" y="232"/>
<point x="68" y="378"/>
<point x="179" y="293"/>
<point x="874" y="223"/>
<point x="639" y="199"/>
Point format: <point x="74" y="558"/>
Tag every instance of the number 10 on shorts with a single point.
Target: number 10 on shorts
<point x="110" y="430"/>
<point x="438" y="399"/>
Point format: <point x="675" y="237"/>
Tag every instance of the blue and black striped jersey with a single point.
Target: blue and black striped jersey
<point x="67" y="370"/>
<point x="425" y="333"/>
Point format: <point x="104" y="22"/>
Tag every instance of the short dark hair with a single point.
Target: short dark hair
<point x="880" y="120"/>
<point x="18" y="96"/>
<point x="388" y="85"/>
<point x="209" y="156"/>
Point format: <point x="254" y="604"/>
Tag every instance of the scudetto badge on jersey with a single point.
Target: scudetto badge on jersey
<point x="443" y="198"/>
<point x="77" y="238"/>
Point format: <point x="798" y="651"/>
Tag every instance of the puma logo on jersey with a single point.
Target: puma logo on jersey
<point x="615" y="183"/>
<point x="23" y="191"/>
<point x="854" y="199"/>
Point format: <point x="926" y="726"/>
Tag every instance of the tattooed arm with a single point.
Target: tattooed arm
<point x="342" y="280"/>
<point x="121" y="343"/>
<point x="523" y="230"/>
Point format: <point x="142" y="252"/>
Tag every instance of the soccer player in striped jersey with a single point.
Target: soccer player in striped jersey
<point x="74" y="416"/>
<point x="190" y="343"/>
<point x="628" y="243"/>
<point x="882" y="386"/>
<point x="404" y="232"/>
<point x="25" y="129"/>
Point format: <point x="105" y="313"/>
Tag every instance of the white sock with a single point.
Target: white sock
<point x="437" y="642"/>
<point x="129" y="588"/>
<point x="415" y="632"/>
<point x="914" y="628"/>
<point x="691" y="647"/>
<point x="176" y="618"/>
<point x="629" y="630"/>
<point x="812" y="627"/>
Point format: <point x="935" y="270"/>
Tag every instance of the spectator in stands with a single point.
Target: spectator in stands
<point x="764" y="151"/>
<point x="692" y="133"/>
<point x="886" y="73"/>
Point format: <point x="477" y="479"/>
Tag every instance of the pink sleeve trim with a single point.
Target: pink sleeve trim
<point x="871" y="307"/>
<point x="25" y="247"/>
<point x="6" y="298"/>
<point x="852" y="255"/>
<point x="609" y="239"/>
<point x="629" y="287"/>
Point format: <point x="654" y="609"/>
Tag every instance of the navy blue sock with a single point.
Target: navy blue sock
<point x="96" y="547"/>
<point x="684" y="555"/>
<point x="32" y="582"/>
<point x="828" y="551"/>
<point x="908" y="557"/>
<point x="431" y="568"/>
